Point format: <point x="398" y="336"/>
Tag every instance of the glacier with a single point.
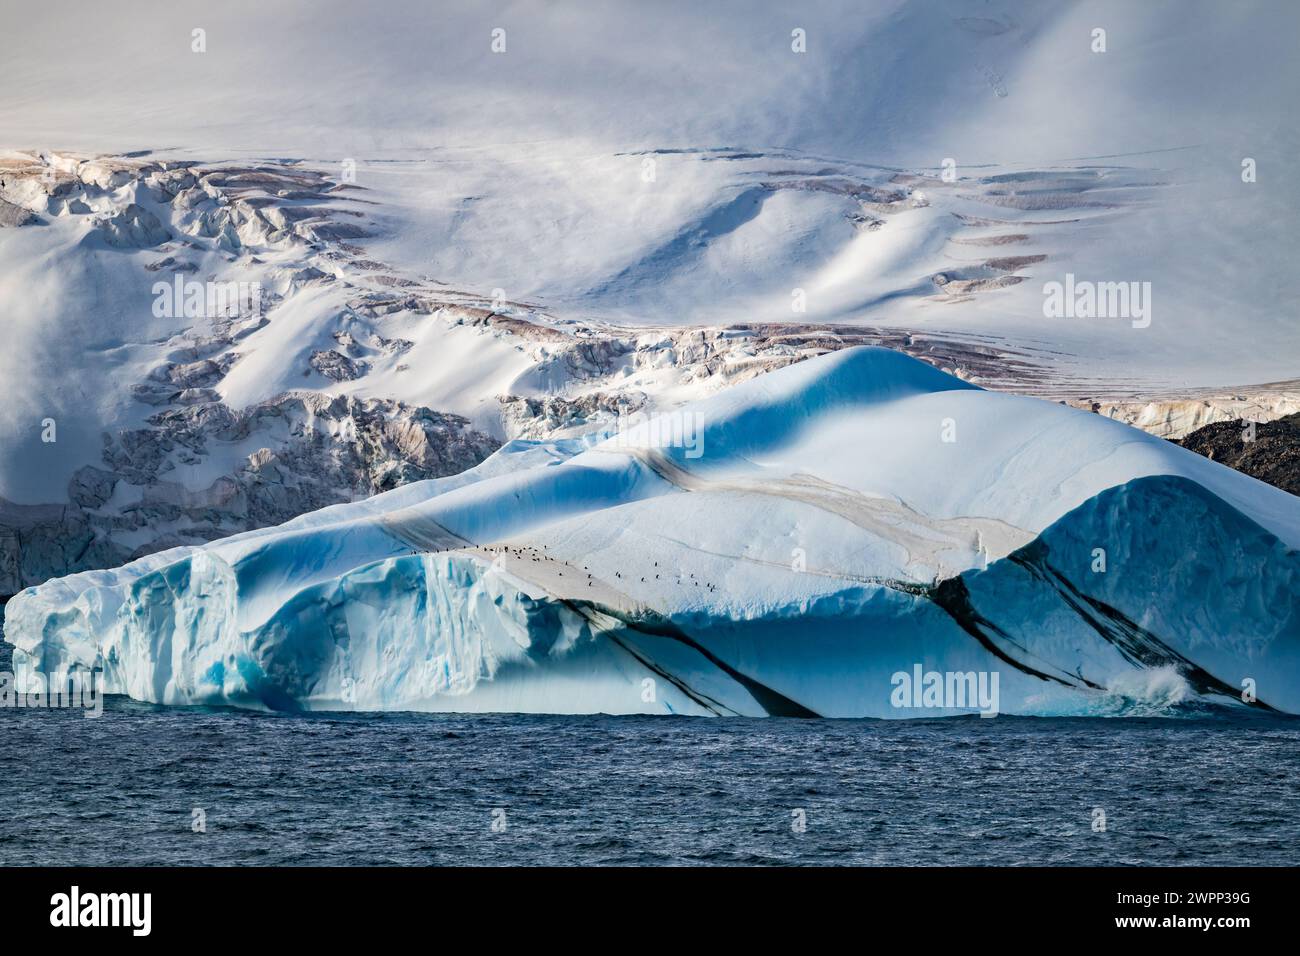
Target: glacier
<point x="842" y="520"/>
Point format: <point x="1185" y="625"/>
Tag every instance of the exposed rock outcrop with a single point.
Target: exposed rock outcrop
<point x="336" y="366"/>
<point x="326" y="451"/>
<point x="1269" y="451"/>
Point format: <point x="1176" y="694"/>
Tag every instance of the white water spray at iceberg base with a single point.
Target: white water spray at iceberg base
<point x="849" y="518"/>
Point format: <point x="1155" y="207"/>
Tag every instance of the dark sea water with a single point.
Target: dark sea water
<point x="426" y="789"/>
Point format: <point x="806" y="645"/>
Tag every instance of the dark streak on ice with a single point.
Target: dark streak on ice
<point x="1134" y="642"/>
<point x="773" y="702"/>
<point x="953" y="597"/>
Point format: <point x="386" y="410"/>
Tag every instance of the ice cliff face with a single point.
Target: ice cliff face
<point x="1177" y="418"/>
<point x="807" y="536"/>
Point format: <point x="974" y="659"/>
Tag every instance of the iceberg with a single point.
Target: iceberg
<point x="829" y="526"/>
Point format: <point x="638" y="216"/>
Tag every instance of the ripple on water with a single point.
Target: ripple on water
<point x="422" y="789"/>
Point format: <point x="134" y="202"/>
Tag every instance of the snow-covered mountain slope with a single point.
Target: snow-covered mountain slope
<point x="689" y="165"/>
<point x="462" y="236"/>
<point x="243" y="360"/>
<point x="787" y="546"/>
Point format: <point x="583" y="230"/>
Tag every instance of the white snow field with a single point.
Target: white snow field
<point x="800" y="539"/>
<point x="525" y="170"/>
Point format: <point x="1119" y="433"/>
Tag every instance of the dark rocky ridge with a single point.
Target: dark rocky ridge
<point x="1272" y="456"/>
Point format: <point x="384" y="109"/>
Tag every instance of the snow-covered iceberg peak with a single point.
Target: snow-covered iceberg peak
<point x="772" y="410"/>
<point x="802" y="540"/>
